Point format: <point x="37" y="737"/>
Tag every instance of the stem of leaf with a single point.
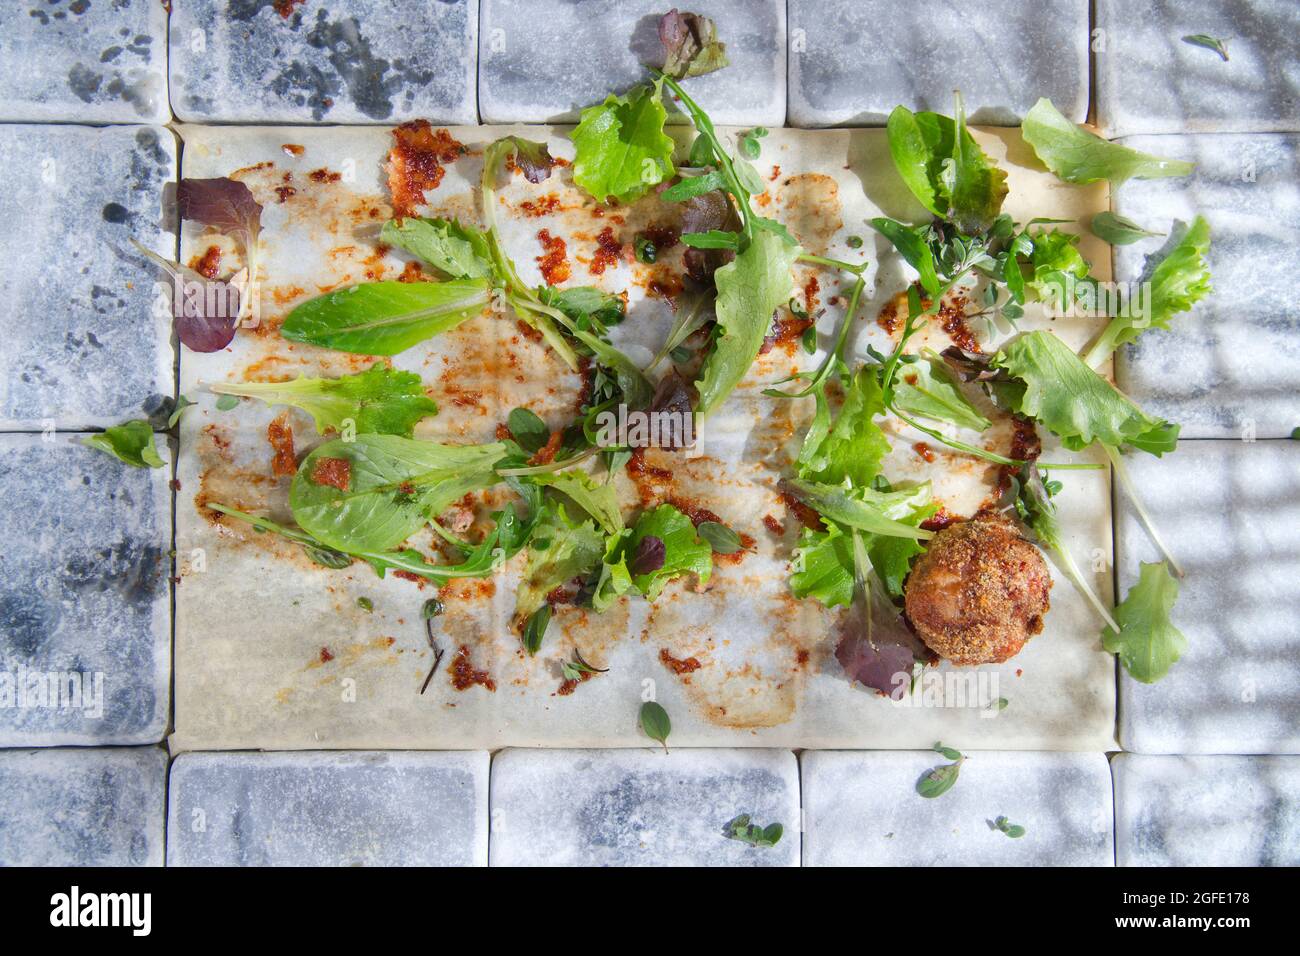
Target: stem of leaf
<point x="833" y="263"/>
<point x="1121" y="471"/>
<point x="824" y="370"/>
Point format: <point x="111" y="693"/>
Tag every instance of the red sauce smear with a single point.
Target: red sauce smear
<point x="464" y="675"/>
<point x="939" y="520"/>
<point x="334" y="472"/>
<point x="952" y="316"/>
<point x="923" y="451"/>
<point x="808" y="517"/>
<point x="786" y="331"/>
<point x="774" y="526"/>
<point x="543" y="206"/>
<point x="324" y="176"/>
<point x="415" y="163"/>
<point x="678" y="666"/>
<point x="285" y="7"/>
<point x="325" y="655"/>
<point x="283" y="193"/>
<point x="608" y="251"/>
<point x="208" y="265"/>
<point x="280" y="435"/>
<point x="293" y="149"/>
<point x="553" y="261"/>
<point x="546" y="454"/>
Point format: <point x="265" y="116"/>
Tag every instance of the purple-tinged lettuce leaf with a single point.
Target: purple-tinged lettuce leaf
<point x="224" y="204"/>
<point x="205" y="312"/>
<point x="691" y="46"/>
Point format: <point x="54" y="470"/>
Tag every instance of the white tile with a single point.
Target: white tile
<point x="97" y="807"/>
<point x="1150" y="81"/>
<point x="853" y="61"/>
<point x="641" y="807"/>
<point x="361" y="61"/>
<point x="543" y="61"/>
<point x="1229" y="367"/>
<point x="84" y="61"/>
<point x="82" y="346"/>
<point x="862" y="809"/>
<point x="85" y="615"/>
<point x="1228" y="510"/>
<point x="329" y="809"/>
<point x="1207" y="811"/>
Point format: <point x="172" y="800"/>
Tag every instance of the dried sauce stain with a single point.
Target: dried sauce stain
<point x="609" y="251"/>
<point x="678" y="666"/>
<point x="324" y="175"/>
<point x="208" y="265"/>
<point x="810" y="207"/>
<point x="553" y="261"/>
<point x="293" y="149"/>
<point x="463" y="675"/>
<point x="279" y="434"/>
<point x="546" y="205"/>
<point x="758" y="648"/>
<point x="333" y="472"/>
<point x="416" y="161"/>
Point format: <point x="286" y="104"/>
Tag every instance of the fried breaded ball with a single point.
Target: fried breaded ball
<point x="979" y="592"/>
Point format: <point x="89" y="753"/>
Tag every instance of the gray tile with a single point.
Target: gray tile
<point x="83" y="348"/>
<point x="84" y="61"/>
<point x="1228" y="511"/>
<point x="861" y="808"/>
<point x="1207" y="811"/>
<point x="359" y="808"/>
<point x="85" y="632"/>
<point x="853" y="61"/>
<point x="102" y="807"/>
<point x="1150" y="81"/>
<point x="641" y="807"/>
<point x="363" y="61"/>
<point x="1230" y="366"/>
<point x="545" y="60"/>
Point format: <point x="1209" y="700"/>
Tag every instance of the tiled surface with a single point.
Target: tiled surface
<point x="1207" y="811"/>
<point x="1228" y="510"/>
<point x="83" y="61"/>
<point x="82" y="347"/>
<point x="853" y="61"/>
<point x="323" y="809"/>
<point x="85" y="644"/>
<point x="544" y="60"/>
<point x="363" y="61"/>
<point x="1229" y="367"/>
<point x="862" y="809"/>
<point x="82" y="807"/>
<point x="640" y="807"/>
<point x="1150" y="81"/>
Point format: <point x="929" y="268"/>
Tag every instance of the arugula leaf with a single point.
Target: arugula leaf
<point x="1178" y="278"/>
<point x="927" y="388"/>
<point x="392" y="486"/>
<point x="855" y="446"/>
<point x="561" y="550"/>
<point x="1146" y="641"/>
<point x="691" y="46"/>
<point x="131" y="442"/>
<point x="622" y="150"/>
<point x="458" y="251"/>
<point x="384" y="318"/>
<point x="750" y="289"/>
<point x="875" y="512"/>
<point x="590" y="308"/>
<point x="1117" y="230"/>
<point x="1078" y="156"/>
<point x="380" y="400"/>
<point x="911" y="245"/>
<point x="1074" y="402"/>
<point x="684" y="552"/>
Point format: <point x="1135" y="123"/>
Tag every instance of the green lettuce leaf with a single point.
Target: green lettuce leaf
<point x="1056" y="255"/>
<point x="822" y="566"/>
<point x="131" y="442"/>
<point x="384" y="318"/>
<point x="1078" y="156"/>
<point x="622" y="150"/>
<point x="855" y="446"/>
<point x="927" y="388"/>
<point x="1074" y="402"/>
<point x="1146" y="642"/>
<point x="750" y="289"/>
<point x="1178" y="277"/>
<point x="598" y="499"/>
<point x="560" y="550"/>
<point x="458" y="251"/>
<point x="395" y="485"/>
<point x="977" y="188"/>
<point x="684" y="552"/>
<point x="380" y="400"/>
